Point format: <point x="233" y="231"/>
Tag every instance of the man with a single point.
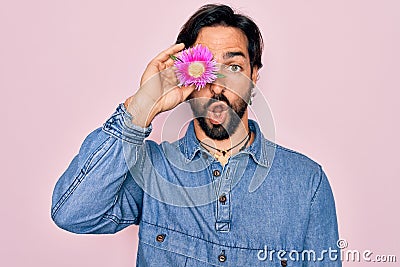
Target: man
<point x="222" y="195"/>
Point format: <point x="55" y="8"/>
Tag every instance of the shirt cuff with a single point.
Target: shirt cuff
<point x="120" y="125"/>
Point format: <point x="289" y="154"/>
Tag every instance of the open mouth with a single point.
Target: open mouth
<point x="217" y="112"/>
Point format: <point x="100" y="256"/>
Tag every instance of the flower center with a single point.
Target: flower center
<point x="196" y="69"/>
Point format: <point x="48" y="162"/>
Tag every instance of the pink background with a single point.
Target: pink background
<point x="330" y="76"/>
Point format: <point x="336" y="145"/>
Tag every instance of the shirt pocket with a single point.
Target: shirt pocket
<point x="161" y="246"/>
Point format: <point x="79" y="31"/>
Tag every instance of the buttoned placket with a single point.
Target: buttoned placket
<point x="223" y="202"/>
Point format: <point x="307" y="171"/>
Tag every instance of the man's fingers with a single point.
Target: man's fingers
<point x="169" y="63"/>
<point x="165" y="55"/>
<point x="163" y="60"/>
<point x="186" y="91"/>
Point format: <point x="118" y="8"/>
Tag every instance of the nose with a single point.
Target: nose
<point x="217" y="88"/>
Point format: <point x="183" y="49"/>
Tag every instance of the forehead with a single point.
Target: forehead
<point x="221" y="39"/>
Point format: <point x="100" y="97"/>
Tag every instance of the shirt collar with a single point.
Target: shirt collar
<point x="261" y="150"/>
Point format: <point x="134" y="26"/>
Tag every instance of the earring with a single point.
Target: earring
<point x="252" y="94"/>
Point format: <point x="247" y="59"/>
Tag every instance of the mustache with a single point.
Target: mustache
<point x="215" y="98"/>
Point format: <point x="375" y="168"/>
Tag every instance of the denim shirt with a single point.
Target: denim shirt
<point x="267" y="206"/>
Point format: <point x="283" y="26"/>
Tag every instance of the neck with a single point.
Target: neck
<point x="239" y="139"/>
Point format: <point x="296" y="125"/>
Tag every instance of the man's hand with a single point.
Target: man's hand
<point x="158" y="90"/>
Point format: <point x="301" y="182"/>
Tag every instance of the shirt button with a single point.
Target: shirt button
<point x="160" y="238"/>
<point x="222" y="257"/>
<point x="204" y="155"/>
<point x="222" y="199"/>
<point x="283" y="263"/>
<point x="216" y="173"/>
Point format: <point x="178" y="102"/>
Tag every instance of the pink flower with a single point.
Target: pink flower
<point x="196" y="66"/>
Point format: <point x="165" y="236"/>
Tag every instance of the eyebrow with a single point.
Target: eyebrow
<point x="234" y="54"/>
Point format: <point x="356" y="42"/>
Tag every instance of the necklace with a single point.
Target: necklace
<point x="224" y="152"/>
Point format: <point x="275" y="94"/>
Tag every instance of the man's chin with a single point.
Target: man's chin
<point x="215" y="131"/>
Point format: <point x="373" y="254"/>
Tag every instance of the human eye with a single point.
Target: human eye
<point x="234" y="68"/>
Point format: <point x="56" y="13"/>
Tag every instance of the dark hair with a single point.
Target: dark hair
<point x="222" y="15"/>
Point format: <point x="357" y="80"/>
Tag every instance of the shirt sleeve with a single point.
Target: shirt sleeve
<point x="322" y="235"/>
<point x="97" y="193"/>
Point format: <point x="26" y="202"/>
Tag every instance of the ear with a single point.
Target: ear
<point x="254" y="76"/>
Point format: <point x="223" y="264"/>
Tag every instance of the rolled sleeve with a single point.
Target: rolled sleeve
<point x="120" y="125"/>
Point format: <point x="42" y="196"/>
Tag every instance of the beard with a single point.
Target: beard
<point x="236" y="111"/>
